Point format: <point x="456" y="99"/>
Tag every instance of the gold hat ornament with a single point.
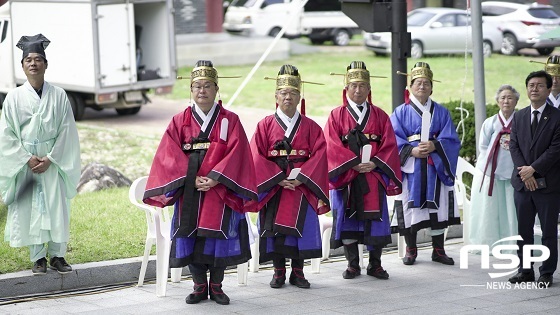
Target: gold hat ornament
<point x="204" y="70"/>
<point x="420" y="70"/>
<point x="357" y="72"/>
<point x="551" y="66"/>
<point x="289" y="77"/>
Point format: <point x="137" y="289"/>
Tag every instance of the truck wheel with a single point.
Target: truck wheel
<point x="128" y="111"/>
<point x="78" y="105"/>
<point x="341" y="37"/>
<point x="274" y="31"/>
<point x="2" y="98"/>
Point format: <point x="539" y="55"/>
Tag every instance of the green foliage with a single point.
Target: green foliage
<point x="104" y="225"/>
<point x="466" y="126"/>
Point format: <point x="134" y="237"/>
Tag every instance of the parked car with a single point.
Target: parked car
<point x="521" y="25"/>
<point x="319" y="20"/>
<point x="438" y="31"/>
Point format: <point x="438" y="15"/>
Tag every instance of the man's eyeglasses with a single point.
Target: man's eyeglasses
<point x="285" y="94"/>
<point x="202" y="87"/>
<point x="537" y="86"/>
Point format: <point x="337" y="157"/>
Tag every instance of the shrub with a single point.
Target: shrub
<point x="468" y="137"/>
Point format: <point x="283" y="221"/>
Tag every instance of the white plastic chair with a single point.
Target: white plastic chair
<point x="465" y="201"/>
<point x="325" y="228"/>
<point x="158" y="233"/>
<point x="325" y="225"/>
<point x="253" y="263"/>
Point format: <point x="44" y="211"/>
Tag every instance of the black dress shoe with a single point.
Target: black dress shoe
<point x="438" y="255"/>
<point x="378" y="272"/>
<point x="200" y="293"/>
<point x="279" y="278"/>
<point x="410" y="257"/>
<point x="40" y="267"/>
<point x="217" y="294"/>
<point x="59" y="264"/>
<point x="545" y="280"/>
<point x="523" y="277"/>
<point x="298" y="279"/>
<point x="351" y="273"/>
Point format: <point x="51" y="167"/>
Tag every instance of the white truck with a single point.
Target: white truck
<point x="104" y="53"/>
<point x="320" y="20"/>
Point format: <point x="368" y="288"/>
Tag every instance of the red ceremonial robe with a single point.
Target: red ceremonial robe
<point x="228" y="162"/>
<point x="308" y="153"/>
<point x="384" y="154"/>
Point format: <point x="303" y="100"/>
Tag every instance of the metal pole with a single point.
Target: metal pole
<point x="398" y="55"/>
<point x="478" y="67"/>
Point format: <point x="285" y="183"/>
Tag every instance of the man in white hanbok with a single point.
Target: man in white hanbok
<point x="492" y="214"/>
<point x="40" y="154"/>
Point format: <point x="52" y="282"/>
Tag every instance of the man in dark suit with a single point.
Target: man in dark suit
<point x="535" y="150"/>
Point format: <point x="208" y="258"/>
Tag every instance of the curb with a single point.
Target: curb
<point x="96" y="274"/>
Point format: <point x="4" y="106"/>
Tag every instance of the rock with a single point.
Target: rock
<point x="96" y="176"/>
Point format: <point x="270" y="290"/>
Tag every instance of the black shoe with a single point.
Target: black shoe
<point x="40" y="267"/>
<point x="523" y="277"/>
<point x="217" y="294"/>
<point x="545" y="281"/>
<point x="200" y="293"/>
<point x="279" y="278"/>
<point x="59" y="264"/>
<point x="351" y="273"/>
<point x="438" y="255"/>
<point x="378" y="272"/>
<point x="410" y="257"/>
<point x="298" y="279"/>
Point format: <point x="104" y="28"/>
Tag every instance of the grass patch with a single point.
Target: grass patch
<point x="452" y="71"/>
<point x="103" y="226"/>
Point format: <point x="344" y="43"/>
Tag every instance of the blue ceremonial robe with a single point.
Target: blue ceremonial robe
<point x="428" y="199"/>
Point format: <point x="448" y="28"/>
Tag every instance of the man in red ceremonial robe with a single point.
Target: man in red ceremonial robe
<point x="203" y="166"/>
<point x="359" y="184"/>
<point x="289" y="152"/>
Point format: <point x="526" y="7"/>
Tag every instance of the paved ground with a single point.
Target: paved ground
<point x="425" y="288"/>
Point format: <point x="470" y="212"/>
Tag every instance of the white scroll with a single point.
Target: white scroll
<point x="426" y="122"/>
<point x="294" y="173"/>
<point x="366" y="153"/>
<point x="223" y="129"/>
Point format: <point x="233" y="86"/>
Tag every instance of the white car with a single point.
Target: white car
<point x="521" y="25"/>
<point x="438" y="31"/>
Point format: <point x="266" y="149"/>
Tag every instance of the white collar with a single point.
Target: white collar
<point x="205" y="118"/>
<point x="424" y="107"/>
<point x="506" y="121"/>
<point x="361" y="113"/>
<point x="289" y="122"/>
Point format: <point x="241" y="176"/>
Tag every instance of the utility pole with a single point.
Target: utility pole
<point x="385" y="16"/>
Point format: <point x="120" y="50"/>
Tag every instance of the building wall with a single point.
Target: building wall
<point x="190" y="16"/>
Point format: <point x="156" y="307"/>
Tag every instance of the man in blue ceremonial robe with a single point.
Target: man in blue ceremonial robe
<point x="428" y="167"/>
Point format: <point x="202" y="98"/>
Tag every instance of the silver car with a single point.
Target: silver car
<point x="438" y="31"/>
<point x="521" y="25"/>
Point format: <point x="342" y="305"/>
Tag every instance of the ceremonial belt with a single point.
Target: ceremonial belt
<point x="369" y="136"/>
<point x="415" y="137"/>
<point x="196" y="146"/>
<point x="293" y="152"/>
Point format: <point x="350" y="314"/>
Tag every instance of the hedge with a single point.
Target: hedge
<point x="468" y="147"/>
